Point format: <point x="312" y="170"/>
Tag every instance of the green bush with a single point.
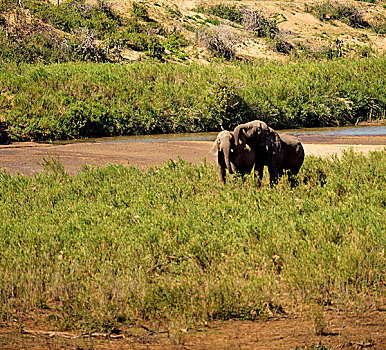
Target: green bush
<point x="139" y="10"/>
<point x="55" y="101"/>
<point x="229" y="12"/>
<point x="94" y="33"/>
<point x="33" y="44"/>
<point x="176" y="41"/>
<point x="72" y="15"/>
<point x="333" y="10"/>
<point x="155" y="49"/>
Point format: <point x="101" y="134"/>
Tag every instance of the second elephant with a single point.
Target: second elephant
<point x="277" y="152"/>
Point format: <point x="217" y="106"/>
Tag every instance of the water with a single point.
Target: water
<point x="342" y="131"/>
<point x="211" y="136"/>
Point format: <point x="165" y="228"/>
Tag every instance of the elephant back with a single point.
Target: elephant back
<point x="271" y="143"/>
<point x="293" y="151"/>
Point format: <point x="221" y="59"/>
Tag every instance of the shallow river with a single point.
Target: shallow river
<point x="211" y="136"/>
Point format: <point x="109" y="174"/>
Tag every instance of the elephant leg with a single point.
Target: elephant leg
<point x="222" y="174"/>
<point x="274" y="172"/>
<point x="292" y="176"/>
<point x="292" y="179"/>
<point x="275" y="167"/>
<point x="273" y="176"/>
<point x="260" y="172"/>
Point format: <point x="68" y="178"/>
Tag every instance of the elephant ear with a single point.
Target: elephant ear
<point x="257" y="130"/>
<point x="215" y="147"/>
<point x="272" y="142"/>
<point x="239" y="135"/>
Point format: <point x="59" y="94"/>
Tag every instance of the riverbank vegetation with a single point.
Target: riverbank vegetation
<point x="63" y="101"/>
<point x="66" y="69"/>
<point x="115" y="246"/>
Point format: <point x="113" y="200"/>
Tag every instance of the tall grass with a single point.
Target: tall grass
<point x="62" y="101"/>
<point x="117" y="245"/>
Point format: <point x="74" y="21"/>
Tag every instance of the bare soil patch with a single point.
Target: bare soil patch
<point x="27" y="157"/>
<point x="343" y="331"/>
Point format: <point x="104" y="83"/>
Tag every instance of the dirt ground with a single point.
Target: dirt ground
<point x="366" y="330"/>
<point x="342" y="331"/>
<point x="27" y="157"/>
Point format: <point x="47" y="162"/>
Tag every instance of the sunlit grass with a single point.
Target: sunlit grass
<point x="116" y="244"/>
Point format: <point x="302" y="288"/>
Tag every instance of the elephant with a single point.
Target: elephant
<point x="277" y="152"/>
<point x="251" y="133"/>
<point x="293" y="156"/>
<point x="234" y="159"/>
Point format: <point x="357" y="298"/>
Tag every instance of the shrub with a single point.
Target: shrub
<point x="280" y="44"/>
<point x="154" y="48"/>
<point x="139" y="10"/>
<point x="86" y="48"/>
<point x="143" y="98"/>
<point x="231" y="13"/>
<point x="256" y="23"/>
<point x="175" y="41"/>
<point x="32" y="43"/>
<point x="220" y="40"/>
<point x="378" y="24"/>
<point x="333" y="10"/>
<point x="72" y="15"/>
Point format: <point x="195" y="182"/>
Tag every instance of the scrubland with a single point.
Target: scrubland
<point x="169" y="245"/>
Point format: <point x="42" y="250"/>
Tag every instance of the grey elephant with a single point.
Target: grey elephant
<point x="234" y="159"/>
<point x="277" y="152"/>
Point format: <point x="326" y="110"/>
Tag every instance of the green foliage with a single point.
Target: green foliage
<point x="229" y="12"/>
<point x="378" y="24"/>
<point x="94" y="33"/>
<point x="333" y="10"/>
<point x="25" y="40"/>
<point x="33" y="45"/>
<point x="176" y="41"/>
<point x="119" y="244"/>
<point x="72" y="15"/>
<point x="82" y="100"/>
<point x="154" y="48"/>
<point x="229" y="109"/>
<point x="139" y="10"/>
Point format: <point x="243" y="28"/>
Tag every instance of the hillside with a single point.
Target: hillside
<point x="123" y="30"/>
<point x="308" y="35"/>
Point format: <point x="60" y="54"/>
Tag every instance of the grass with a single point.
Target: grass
<point x="115" y="245"/>
<point x="63" y="101"/>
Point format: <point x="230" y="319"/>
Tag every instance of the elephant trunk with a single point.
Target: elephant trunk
<point x="226" y="151"/>
<point x="236" y="134"/>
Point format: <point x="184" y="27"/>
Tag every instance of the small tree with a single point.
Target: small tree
<point x="219" y="40"/>
<point x="258" y="24"/>
<point x="86" y="46"/>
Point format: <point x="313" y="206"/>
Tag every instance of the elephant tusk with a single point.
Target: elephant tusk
<point x="245" y="133"/>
